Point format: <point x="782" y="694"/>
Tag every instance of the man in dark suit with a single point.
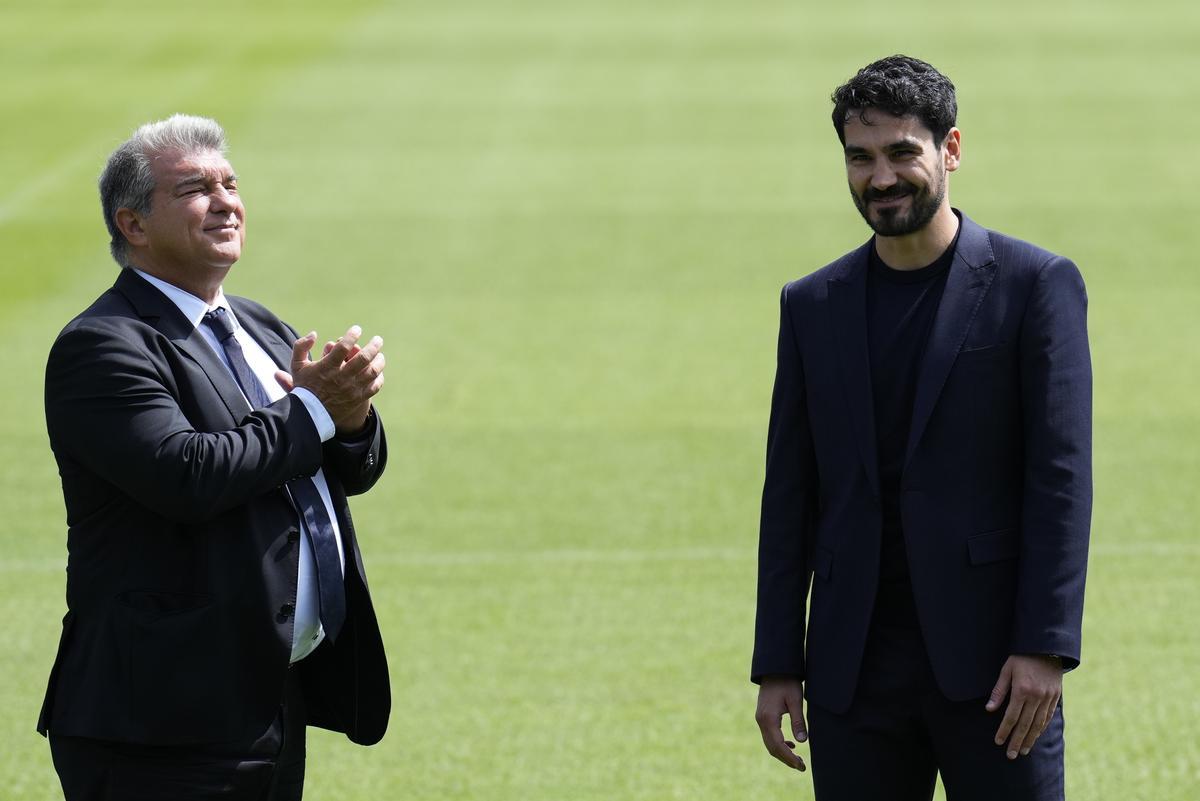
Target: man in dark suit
<point x="929" y="475"/>
<point x="216" y="594"/>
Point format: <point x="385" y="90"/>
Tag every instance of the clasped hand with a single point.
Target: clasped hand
<point x="344" y="379"/>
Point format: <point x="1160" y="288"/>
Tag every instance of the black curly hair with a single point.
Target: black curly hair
<point x="901" y="86"/>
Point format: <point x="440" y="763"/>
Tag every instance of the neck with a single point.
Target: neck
<point x="920" y="248"/>
<point x="203" y="283"/>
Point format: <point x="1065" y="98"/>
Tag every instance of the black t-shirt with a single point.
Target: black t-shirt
<point x="901" y="306"/>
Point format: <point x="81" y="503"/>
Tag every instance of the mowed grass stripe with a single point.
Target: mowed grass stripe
<point x="571" y="223"/>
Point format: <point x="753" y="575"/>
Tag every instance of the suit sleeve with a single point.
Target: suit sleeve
<point x="358" y="461"/>
<point x="1056" y="405"/>
<point x="788" y="508"/>
<point x="113" y="408"/>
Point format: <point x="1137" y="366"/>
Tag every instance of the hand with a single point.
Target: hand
<point x="1036" y="684"/>
<point x="777" y="695"/>
<point x="344" y="379"/>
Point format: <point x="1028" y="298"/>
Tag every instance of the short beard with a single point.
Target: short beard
<point x="891" y="222"/>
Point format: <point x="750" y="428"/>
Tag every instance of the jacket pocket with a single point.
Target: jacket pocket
<point x="984" y="351"/>
<point x="181" y="667"/>
<point x="993" y="546"/>
<point x="155" y="603"/>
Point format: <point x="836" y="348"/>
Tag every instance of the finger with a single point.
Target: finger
<point x="795" y="707"/>
<point x="358" y="360"/>
<point x="1000" y="691"/>
<point x="769" y="722"/>
<point x="374" y="388"/>
<point x="1041" y="722"/>
<point x="285" y="380"/>
<point x="781" y="749"/>
<point x="768" y="728"/>
<point x="1011" y="716"/>
<point x="300" y="349"/>
<point x="1031" y="737"/>
<point x="328" y="347"/>
<point x="1021" y="730"/>
<point x="341" y="349"/>
<point x="1051" y="710"/>
<point x="375" y="368"/>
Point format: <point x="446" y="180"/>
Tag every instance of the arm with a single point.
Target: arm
<point x="1056" y="509"/>
<point x="788" y="507"/>
<point x="358" y="461"/>
<point x="1056" y="404"/>
<point x="113" y="409"/>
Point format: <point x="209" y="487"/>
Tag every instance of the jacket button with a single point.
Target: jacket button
<point x="286" y="610"/>
<point x="293" y="535"/>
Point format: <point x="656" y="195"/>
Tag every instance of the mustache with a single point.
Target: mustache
<point x="891" y="193"/>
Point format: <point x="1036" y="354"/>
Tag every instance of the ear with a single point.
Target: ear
<point x="129" y="223"/>
<point x="952" y="150"/>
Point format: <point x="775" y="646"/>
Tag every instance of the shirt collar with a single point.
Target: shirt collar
<point x="193" y="308"/>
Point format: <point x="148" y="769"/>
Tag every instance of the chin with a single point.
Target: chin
<point x="224" y="260"/>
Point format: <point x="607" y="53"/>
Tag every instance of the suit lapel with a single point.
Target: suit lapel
<point x="270" y="341"/>
<point x="157" y="310"/>
<point x="848" y="313"/>
<point x="967" y="283"/>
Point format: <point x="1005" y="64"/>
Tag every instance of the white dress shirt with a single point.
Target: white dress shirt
<point x="307" y="632"/>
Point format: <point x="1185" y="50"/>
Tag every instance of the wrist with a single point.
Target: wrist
<point x="357" y="429"/>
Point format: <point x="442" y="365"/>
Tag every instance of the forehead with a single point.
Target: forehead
<point x="174" y="165"/>
<point x="881" y="128"/>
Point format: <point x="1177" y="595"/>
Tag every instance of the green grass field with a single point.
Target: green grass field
<point x="570" y="221"/>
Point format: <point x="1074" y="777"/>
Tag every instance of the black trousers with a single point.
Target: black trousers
<point x="900" y="732"/>
<point x="271" y="768"/>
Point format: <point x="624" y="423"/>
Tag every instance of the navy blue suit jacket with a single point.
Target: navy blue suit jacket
<point x="996" y="490"/>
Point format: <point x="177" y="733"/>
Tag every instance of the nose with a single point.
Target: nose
<point x="222" y="200"/>
<point x="883" y="176"/>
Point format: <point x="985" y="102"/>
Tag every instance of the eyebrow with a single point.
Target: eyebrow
<point x="199" y="178"/>
<point x="194" y="178"/>
<point x="900" y="144"/>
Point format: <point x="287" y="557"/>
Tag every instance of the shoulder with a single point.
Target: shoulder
<point x="1022" y="266"/>
<point x="814" y="287"/>
<point x="128" y="319"/>
<point x="1035" y="271"/>
<point x="1014" y="255"/>
<point x="109" y="316"/>
<point x="1017" y="254"/>
<point x="108" y="343"/>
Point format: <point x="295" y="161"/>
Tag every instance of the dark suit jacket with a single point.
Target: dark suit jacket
<point x="996" y="487"/>
<point x="183" y="549"/>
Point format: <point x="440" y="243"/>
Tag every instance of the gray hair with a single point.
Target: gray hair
<point x="127" y="181"/>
